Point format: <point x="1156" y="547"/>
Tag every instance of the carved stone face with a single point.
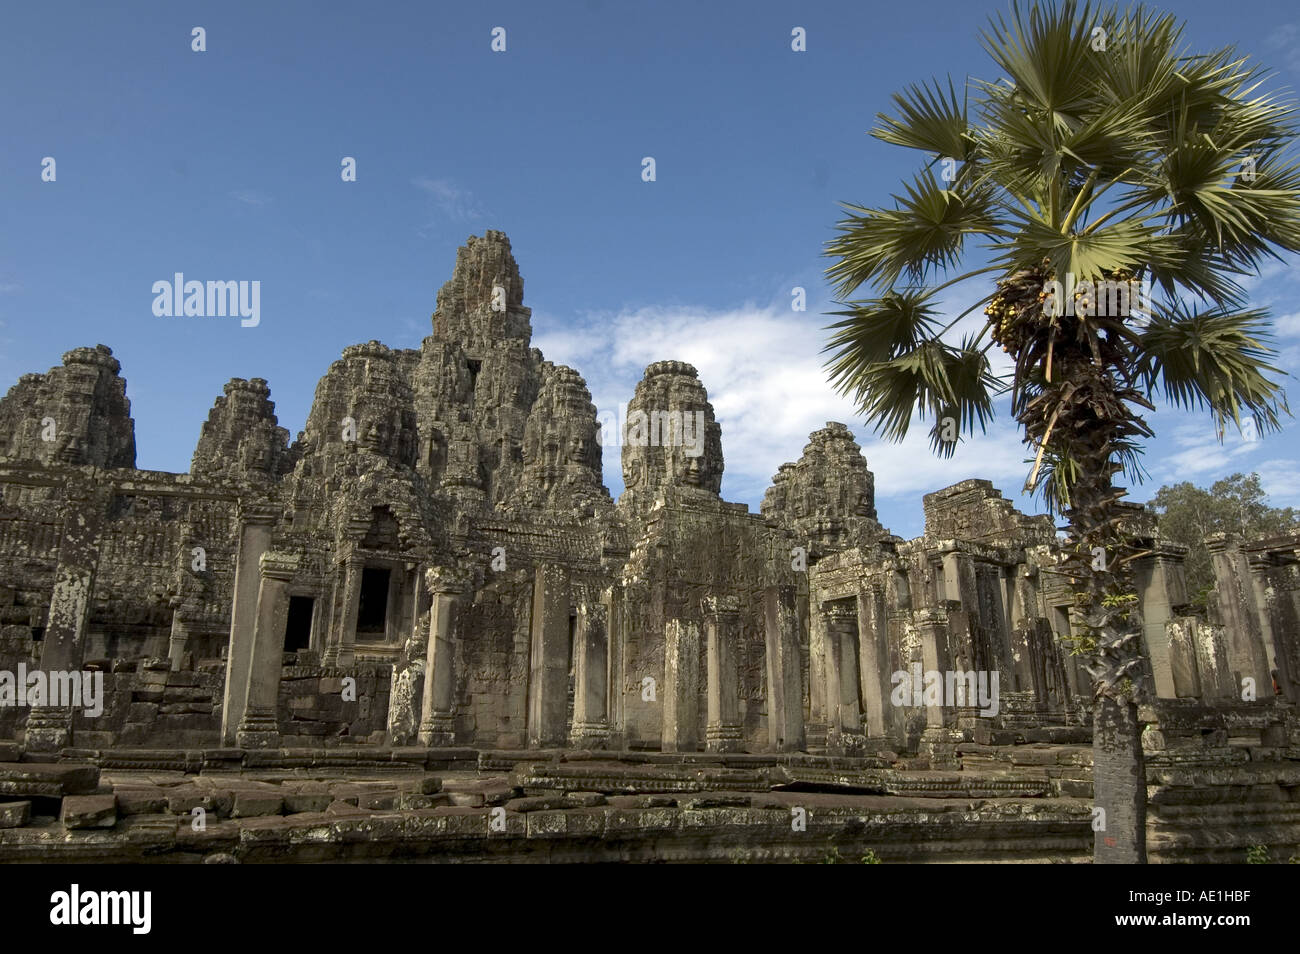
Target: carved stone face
<point x="577" y="449"/>
<point x="376" y="434"/>
<point x="693" y="475"/>
<point x="862" y="504"/>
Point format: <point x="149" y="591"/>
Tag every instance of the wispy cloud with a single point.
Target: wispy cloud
<point x="1285" y="40"/>
<point x="768" y="395"/>
<point x="451" y="201"/>
<point x="249" y="197"/>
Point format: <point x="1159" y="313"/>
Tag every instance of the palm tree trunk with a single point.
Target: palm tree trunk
<point x="1091" y="416"/>
<point x="1119" y="784"/>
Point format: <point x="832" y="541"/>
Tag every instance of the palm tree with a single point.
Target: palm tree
<point x="1106" y="153"/>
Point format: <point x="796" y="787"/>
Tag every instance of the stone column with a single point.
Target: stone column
<point x="873" y="664"/>
<point x="615" y="627"/>
<point x="1161" y="586"/>
<point x="681" y="695"/>
<point x="1024" y="636"/>
<point x="722" y="733"/>
<point x="49" y="727"/>
<point x="819" y="705"/>
<point x="179" y="639"/>
<point x="784" y="676"/>
<point x="1247" y="657"/>
<point x="1279" y="620"/>
<point x="954" y="564"/>
<point x="844" y="735"/>
<point x="933" y="627"/>
<point x="259" y="728"/>
<point x="590" y="677"/>
<point x="1180" y="636"/>
<point x="406" y="684"/>
<point x="255" y="526"/>
<point x="1276" y="650"/>
<point x="342" y="650"/>
<point x="548" y="682"/>
<point x="438" y="711"/>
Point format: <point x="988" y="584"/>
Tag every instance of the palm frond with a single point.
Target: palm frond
<point x="1216" y="360"/>
<point x="924" y="233"/>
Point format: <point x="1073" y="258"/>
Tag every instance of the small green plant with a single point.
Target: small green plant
<point x="832" y="856"/>
<point x="1257" y="855"/>
<point x="870" y="858"/>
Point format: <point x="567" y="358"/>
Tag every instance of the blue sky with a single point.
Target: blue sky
<point x="225" y="165"/>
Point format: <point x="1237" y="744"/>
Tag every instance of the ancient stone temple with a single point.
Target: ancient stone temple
<point x="433" y="578"/>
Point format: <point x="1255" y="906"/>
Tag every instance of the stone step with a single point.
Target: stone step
<point x="48" y="779"/>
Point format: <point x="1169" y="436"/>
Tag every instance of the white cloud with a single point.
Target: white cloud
<point x="763" y="369"/>
<point x="249" y="197"/>
<point x="451" y="201"/>
<point x="1285" y="39"/>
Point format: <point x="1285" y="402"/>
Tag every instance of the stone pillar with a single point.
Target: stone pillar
<point x="844" y="735"/>
<point x="873" y="664"/>
<point x="953" y="565"/>
<point x="406" y="685"/>
<point x="784" y="678"/>
<point x="616" y="628"/>
<point x="1025" y="671"/>
<point x="1180" y="636"/>
<point x="819" y="705"/>
<point x="1247" y="657"/>
<point x="255" y="525"/>
<point x="259" y="728"/>
<point x="1274" y="638"/>
<point x="933" y="627"/>
<point x="178" y="640"/>
<point x="342" y="649"/>
<point x="548" y="679"/>
<point x="590" y="677"/>
<point x="681" y="695"/>
<point x="1161" y="585"/>
<point x="722" y="631"/>
<point x="1274" y="574"/>
<point x="438" y="711"/>
<point x="49" y="727"/>
<point x="898" y="590"/>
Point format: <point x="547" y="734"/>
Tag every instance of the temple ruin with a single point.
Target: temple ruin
<point x="433" y="578"/>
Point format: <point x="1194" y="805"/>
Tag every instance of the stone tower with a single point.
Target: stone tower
<point x="829" y="496"/>
<point x="562" y="452"/>
<point x="670" y="437"/>
<point x="242" y="436"/>
<point x="75" y="414"/>
<point x="477" y="376"/>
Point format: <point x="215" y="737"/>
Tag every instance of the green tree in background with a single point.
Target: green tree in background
<point x="1236" y="505"/>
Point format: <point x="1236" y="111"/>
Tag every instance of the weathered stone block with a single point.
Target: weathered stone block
<point x="295" y="803"/>
<point x="253" y="803"/>
<point x="88" y="811"/>
<point x="15" y="814"/>
<point x="48" y="779"/>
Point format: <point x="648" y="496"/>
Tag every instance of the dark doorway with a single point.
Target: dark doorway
<point x="372" y="613"/>
<point x="297" y="629"/>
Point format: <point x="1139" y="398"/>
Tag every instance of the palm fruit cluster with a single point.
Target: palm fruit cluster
<point x="1016" y="310"/>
